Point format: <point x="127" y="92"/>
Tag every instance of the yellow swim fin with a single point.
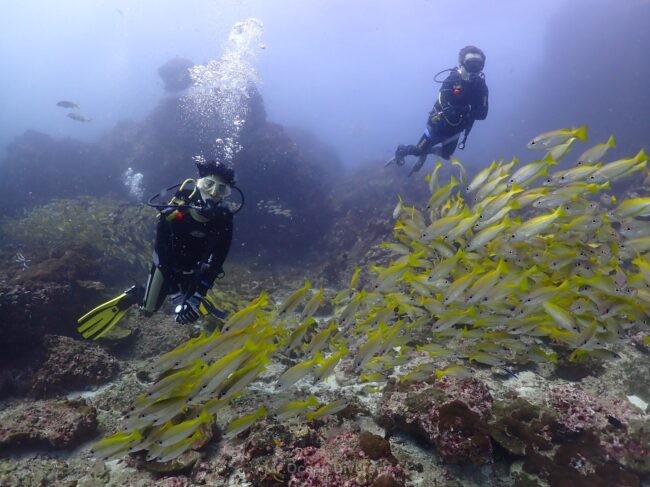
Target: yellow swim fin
<point x="208" y="306"/>
<point x="101" y="319"/>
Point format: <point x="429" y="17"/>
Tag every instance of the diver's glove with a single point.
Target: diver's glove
<point x="188" y="311"/>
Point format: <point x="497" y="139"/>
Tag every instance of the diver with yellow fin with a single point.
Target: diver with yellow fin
<point x="193" y="237"/>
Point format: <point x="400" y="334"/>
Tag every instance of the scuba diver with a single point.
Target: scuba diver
<point x="193" y="238"/>
<point x="463" y="98"/>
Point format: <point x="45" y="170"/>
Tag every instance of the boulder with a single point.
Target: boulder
<point x="48" y="424"/>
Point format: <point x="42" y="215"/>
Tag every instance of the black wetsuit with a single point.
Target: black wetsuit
<point x="460" y="102"/>
<point x="188" y="253"/>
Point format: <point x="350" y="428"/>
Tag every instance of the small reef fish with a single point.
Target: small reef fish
<point x="295" y="373"/>
<point x="313" y="304"/>
<point x="294" y="300"/>
<point x="329" y="409"/>
<point x="171" y="452"/>
<point x="242" y="424"/>
<point x="398" y="208"/>
<point x="245" y="317"/>
<point x="597" y="152"/>
<point x="295" y="408"/>
<point x="114" y="445"/>
<point x="183" y="430"/>
<point x="553" y="138"/>
<point x="79" y="118"/>
<point x="67" y="104"/>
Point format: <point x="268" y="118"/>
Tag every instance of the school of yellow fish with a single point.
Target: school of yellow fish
<point x="518" y="264"/>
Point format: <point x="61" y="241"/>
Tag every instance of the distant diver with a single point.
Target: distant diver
<point x="463" y="98"/>
<point x="193" y="237"/>
<point x="79" y="118"/>
<point x="67" y="104"/>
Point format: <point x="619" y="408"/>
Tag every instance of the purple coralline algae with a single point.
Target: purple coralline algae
<point x="452" y="415"/>
<point x="342" y="461"/>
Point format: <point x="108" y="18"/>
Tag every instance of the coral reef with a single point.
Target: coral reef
<point x="451" y="414"/>
<point x="578" y="411"/>
<point x="518" y="425"/>
<point x="71" y="365"/>
<point x="342" y="461"/>
<point x="572" y="439"/>
<point x="49" y="424"/>
<point x="114" y="234"/>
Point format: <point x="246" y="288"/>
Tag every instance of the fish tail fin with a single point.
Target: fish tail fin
<point x="611" y="141"/>
<point x="549" y="158"/>
<point x="581" y="133"/>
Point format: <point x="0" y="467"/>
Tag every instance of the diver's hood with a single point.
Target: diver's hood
<point x="216" y="168"/>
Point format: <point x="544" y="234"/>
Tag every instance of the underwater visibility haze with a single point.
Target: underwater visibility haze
<point x="325" y="243"/>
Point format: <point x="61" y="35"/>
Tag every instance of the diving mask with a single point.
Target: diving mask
<point x="212" y="187"/>
<point x="473" y="63"/>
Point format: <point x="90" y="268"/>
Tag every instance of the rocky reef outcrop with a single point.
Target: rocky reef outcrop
<point x="287" y="188"/>
<point x="451" y="415"/>
<point x="71" y="365"/>
<point x="49" y="424"/>
<point x="175" y="74"/>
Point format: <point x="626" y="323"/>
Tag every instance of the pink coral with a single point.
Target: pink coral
<point x="179" y="481"/>
<point x="577" y="410"/>
<point x="451" y="414"/>
<point x="340" y="462"/>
